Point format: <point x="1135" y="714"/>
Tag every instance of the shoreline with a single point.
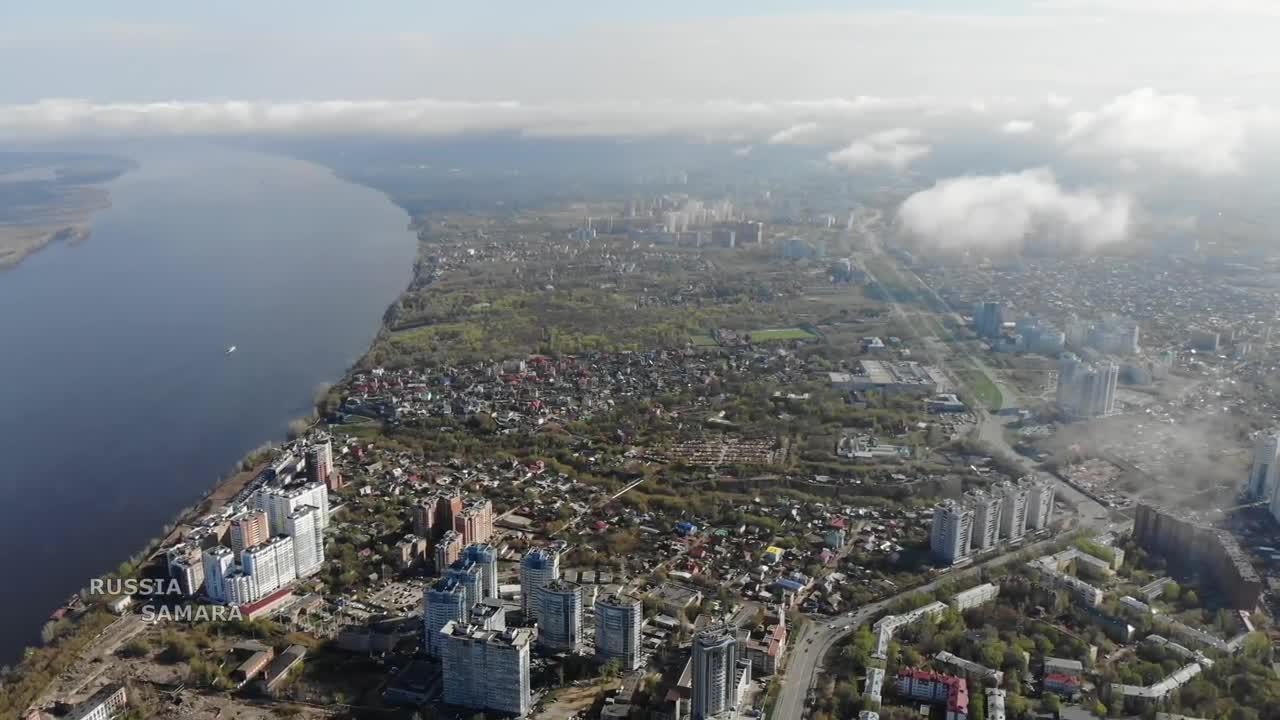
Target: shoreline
<point x="227" y="485"/>
<point x="65" y="218"/>
<point x="37" y="239"/>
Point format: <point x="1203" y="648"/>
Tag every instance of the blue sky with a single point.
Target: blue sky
<point x="396" y="14"/>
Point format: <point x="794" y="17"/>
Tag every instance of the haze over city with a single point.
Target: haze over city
<point x="662" y="361"/>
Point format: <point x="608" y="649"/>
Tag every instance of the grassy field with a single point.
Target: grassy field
<point x="776" y="334"/>
<point x="983" y="389"/>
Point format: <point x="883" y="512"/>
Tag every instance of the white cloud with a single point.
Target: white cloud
<point x="725" y="120"/>
<point x="892" y="149"/>
<point x="1005" y="211"/>
<point x="743" y="151"/>
<point x="1083" y="48"/>
<point x="1018" y="127"/>
<point x="1178" y="131"/>
<point x="1163" y="7"/>
<point x="795" y="133"/>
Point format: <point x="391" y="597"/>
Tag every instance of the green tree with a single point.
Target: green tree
<point x="1257" y="648"/>
<point x="977" y="703"/>
<point x="177" y="649"/>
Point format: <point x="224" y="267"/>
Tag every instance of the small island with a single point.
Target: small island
<point x="49" y="197"/>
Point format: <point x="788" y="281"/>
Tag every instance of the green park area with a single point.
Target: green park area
<point x="776" y="334"/>
<point x="983" y="389"/>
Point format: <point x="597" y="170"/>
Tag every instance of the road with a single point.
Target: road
<point x="819" y="636"/>
<point x="991" y="426"/>
<point x="93" y="661"/>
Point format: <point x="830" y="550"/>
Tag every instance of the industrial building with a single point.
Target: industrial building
<point x="892" y="377"/>
<point x="107" y="702"/>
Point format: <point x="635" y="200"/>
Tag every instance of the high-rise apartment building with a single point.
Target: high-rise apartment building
<point x="485" y="558"/>
<point x="320" y="467"/>
<point x="447" y="550"/>
<point x="469" y="576"/>
<point x="986" y="519"/>
<point x="952" y="531"/>
<point x="270" y="566"/>
<point x="1114" y="335"/>
<point x="247" y="529"/>
<point x="1013" y="512"/>
<point x="280" y="502"/>
<point x="1040" y="504"/>
<point x="989" y="320"/>
<point x="475" y="521"/>
<point x="537" y="568"/>
<point x="560" y="616"/>
<point x="424" y="517"/>
<point x="1274" y="505"/>
<point x="715" y="667"/>
<point x="187" y="567"/>
<point x="238" y="587"/>
<point x="308" y="539"/>
<point x="489" y="615"/>
<point x="485" y="669"/>
<point x="442" y="603"/>
<point x="219" y="561"/>
<point x="1266" y="463"/>
<point x="618" y="623"/>
<point x="1087" y="390"/>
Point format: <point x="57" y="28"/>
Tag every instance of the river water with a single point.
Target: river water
<point x="119" y="404"/>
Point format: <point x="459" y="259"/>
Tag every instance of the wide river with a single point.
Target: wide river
<point x="119" y="404"/>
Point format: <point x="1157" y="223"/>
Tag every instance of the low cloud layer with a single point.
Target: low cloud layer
<point x="997" y="212"/>
<point x="888" y="150"/>
<point x="1175" y="131"/>
<point x="1018" y="127"/>
<point x="795" y="133"/>
<point x="729" y="120"/>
